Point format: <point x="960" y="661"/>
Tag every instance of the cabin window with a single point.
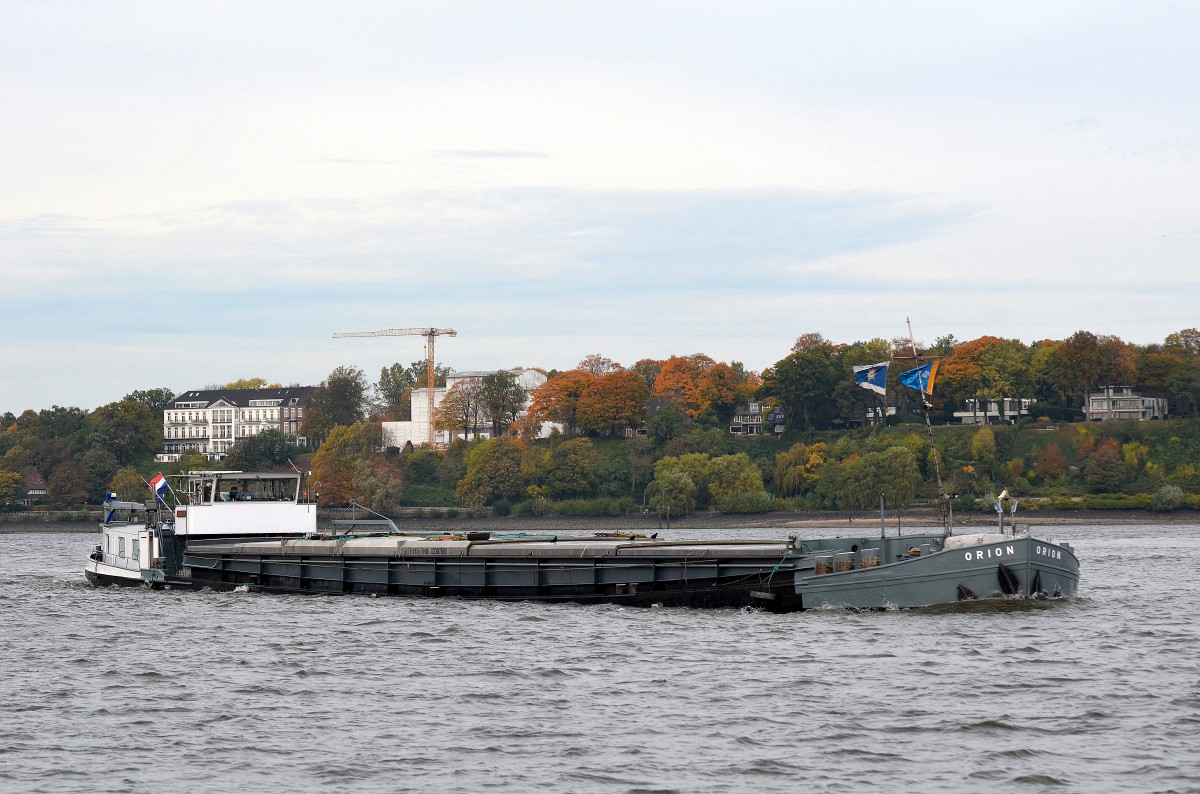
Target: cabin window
<point x="107" y="544"/>
<point x="120" y="547"/>
<point x="137" y="547"/>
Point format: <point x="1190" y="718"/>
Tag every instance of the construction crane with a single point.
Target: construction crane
<point x="430" y="334"/>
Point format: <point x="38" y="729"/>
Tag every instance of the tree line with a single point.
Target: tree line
<point x="673" y="408"/>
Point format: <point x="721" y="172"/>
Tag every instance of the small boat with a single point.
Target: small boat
<point x="144" y="544"/>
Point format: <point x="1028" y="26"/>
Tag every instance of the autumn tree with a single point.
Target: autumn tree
<point x="680" y="382"/>
<point x="557" y="400"/>
<point x="68" y="484"/>
<point x="1105" y="469"/>
<point x="243" y="383"/>
<point x="961" y="376"/>
<point x="336" y="462"/>
<point x="799" y="468"/>
<point x="723" y="388"/>
<point x="1050" y="462"/>
<point x="1077" y="366"/>
<point x="598" y="365"/>
<point x="459" y="408"/>
<point x="613" y="401"/>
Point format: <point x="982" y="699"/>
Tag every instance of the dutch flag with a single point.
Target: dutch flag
<point x="158" y="485"/>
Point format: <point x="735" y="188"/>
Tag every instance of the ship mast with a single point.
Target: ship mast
<point x="937" y="468"/>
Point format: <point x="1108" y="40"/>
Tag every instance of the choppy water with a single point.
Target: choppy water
<point x="147" y="691"/>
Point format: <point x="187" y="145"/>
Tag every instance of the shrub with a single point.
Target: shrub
<point x="1168" y="498"/>
<point x="745" y="502"/>
<point x="501" y="507"/>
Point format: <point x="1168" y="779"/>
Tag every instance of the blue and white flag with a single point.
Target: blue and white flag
<point x="872" y="376"/>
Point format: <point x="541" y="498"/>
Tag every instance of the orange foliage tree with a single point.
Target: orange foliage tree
<point x="681" y="382"/>
<point x="557" y="400"/>
<point x="613" y="401"/>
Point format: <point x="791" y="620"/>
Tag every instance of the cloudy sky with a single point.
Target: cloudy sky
<point x="192" y="193"/>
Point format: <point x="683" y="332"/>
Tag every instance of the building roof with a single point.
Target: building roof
<point x="292" y="395"/>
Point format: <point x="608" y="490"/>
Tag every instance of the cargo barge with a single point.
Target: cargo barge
<point x="288" y="555"/>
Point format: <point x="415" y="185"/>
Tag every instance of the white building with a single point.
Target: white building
<point x="212" y="421"/>
<point x="979" y="413"/>
<point x="1119" y="402"/>
<point x="416" y="431"/>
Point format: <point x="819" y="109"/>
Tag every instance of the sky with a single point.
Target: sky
<point x="194" y="193"/>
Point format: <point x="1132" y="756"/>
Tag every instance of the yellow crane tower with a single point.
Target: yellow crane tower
<point x="430" y="334"/>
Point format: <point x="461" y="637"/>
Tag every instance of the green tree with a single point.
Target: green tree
<point x="157" y="400"/>
<point x="983" y="446"/>
<point x="672" y="491"/>
<point x="60" y="423"/>
<point x="340" y="400"/>
<point x="893" y="473"/>
<point x="99" y="465"/>
<point x="393" y="392"/>
<point x="378" y="485"/>
<point x="127" y="429"/>
<point x="12" y="486"/>
<point x="733" y="476"/>
<point x="128" y="485"/>
<point x="501" y="399"/>
<point x="572" y="469"/>
<point x="493" y="472"/>
<point x="269" y="450"/>
<point x="665" y="424"/>
<point x="803" y="383"/>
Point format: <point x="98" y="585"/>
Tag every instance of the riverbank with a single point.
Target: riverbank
<point x="837" y="521"/>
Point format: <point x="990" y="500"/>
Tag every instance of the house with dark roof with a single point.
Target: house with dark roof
<point x="212" y="421"/>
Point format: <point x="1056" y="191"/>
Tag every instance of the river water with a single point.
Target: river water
<point x="147" y="691"/>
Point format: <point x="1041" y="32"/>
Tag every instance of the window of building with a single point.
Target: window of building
<point x="137" y="548"/>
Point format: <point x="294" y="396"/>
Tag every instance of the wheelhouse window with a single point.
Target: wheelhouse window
<point x="120" y="547"/>
<point x="137" y="547"/>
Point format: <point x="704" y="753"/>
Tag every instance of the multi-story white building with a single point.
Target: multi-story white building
<point x="979" y="412"/>
<point x="416" y="431"/>
<point x="1119" y="402"/>
<point x="212" y="421"/>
